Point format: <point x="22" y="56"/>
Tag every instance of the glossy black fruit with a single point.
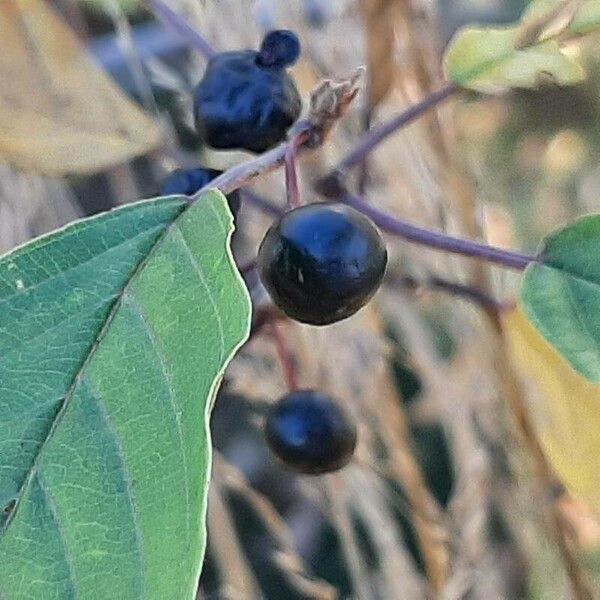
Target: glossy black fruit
<point x="322" y="262"/>
<point x="246" y="99"/>
<point x="189" y="181"/>
<point x="279" y="49"/>
<point x="310" y="433"/>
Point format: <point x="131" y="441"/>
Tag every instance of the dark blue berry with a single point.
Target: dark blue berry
<point x="322" y="262"/>
<point x="187" y="182"/>
<point x="279" y="49"/>
<point x="310" y="433"/>
<point x="242" y="104"/>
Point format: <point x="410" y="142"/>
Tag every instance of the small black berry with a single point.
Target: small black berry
<point x="279" y="49"/>
<point x="188" y="181"/>
<point x="310" y="433"/>
<point x="241" y="103"/>
<point x="322" y="262"/>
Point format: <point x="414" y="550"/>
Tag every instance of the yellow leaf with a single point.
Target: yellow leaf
<point x="59" y="112"/>
<point x="565" y="409"/>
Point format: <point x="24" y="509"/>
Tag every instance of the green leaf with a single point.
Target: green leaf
<point x="114" y="333"/>
<point x="561" y="294"/>
<point x="587" y="18"/>
<point x="490" y="60"/>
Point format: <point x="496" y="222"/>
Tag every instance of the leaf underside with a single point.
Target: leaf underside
<point x="114" y="333"/>
<point x="561" y="294"/>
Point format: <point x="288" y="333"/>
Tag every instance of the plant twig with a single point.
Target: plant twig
<point x="462" y="290"/>
<point x="162" y="10"/>
<point x="372" y="138"/>
<point x="438" y="240"/>
<point x="291" y="172"/>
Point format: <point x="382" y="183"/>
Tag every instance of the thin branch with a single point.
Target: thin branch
<point x="166" y="14"/>
<point x="454" y="288"/>
<point x="261" y="203"/>
<point x="285" y="357"/>
<point x="438" y="240"/>
<point x="372" y="138"/>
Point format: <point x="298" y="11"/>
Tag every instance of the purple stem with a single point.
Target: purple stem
<point x="451" y="287"/>
<point x="178" y="23"/>
<point x="437" y="240"/>
<point x="413" y="233"/>
<point x="375" y="136"/>
<point x="261" y="203"/>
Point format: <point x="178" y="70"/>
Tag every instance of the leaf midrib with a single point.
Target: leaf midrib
<point x="78" y="375"/>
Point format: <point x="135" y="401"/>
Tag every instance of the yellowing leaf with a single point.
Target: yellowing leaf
<point x="59" y="112"/>
<point x="565" y="411"/>
<point x="491" y="60"/>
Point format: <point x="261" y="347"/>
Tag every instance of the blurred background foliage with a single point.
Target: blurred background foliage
<point x="529" y="161"/>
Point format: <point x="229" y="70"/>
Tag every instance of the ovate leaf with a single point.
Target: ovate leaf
<point x="59" y="112"/>
<point x="491" y="60"/>
<point x="114" y="333"/>
<point x="560" y="294"/>
<point x="565" y="409"/>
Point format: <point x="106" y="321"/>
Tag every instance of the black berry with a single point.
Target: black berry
<point x="188" y="181"/>
<point x="310" y="433"/>
<point x="246" y="99"/>
<point x="322" y="262"/>
<point x="279" y="49"/>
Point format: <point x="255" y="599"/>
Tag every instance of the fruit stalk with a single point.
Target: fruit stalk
<point x="285" y="357"/>
<point x="291" y="173"/>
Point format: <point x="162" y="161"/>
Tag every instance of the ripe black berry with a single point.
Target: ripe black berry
<point x="246" y="99"/>
<point x="279" y="49"/>
<point x="310" y="433"/>
<point x="322" y="262"/>
<point x="188" y="181"/>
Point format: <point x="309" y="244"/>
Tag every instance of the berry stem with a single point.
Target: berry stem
<point x="454" y="288"/>
<point x="291" y="171"/>
<point x="285" y="357"/>
<point x="438" y="240"/>
<point x="178" y="23"/>
<point x="372" y="138"/>
<point x="248" y="266"/>
<point x="261" y="203"/>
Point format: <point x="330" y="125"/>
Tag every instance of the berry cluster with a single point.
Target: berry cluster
<point x="320" y="263"/>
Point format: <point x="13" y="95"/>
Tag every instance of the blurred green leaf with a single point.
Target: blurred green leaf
<point x="587" y="18"/>
<point x="114" y="333"/>
<point x="490" y="60"/>
<point x="561" y="294"/>
<point x="126" y="5"/>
